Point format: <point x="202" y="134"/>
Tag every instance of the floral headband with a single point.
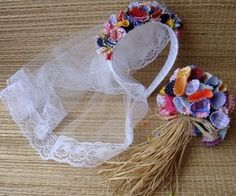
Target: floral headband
<point x="137" y="14"/>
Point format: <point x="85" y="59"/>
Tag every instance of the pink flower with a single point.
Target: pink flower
<point x="107" y="27"/>
<point x="169" y="108"/>
<point x="116" y="33"/>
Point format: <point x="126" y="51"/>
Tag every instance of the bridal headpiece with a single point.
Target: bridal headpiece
<point x="72" y="89"/>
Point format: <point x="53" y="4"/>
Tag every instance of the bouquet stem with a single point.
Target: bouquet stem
<point x="143" y="168"/>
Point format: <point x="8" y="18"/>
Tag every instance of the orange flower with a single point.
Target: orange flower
<point x="199" y="95"/>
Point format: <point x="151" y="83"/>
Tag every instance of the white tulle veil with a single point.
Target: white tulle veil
<point x="70" y="104"/>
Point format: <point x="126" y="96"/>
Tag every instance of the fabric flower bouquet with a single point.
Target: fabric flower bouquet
<point x="194" y="103"/>
<point x="198" y="94"/>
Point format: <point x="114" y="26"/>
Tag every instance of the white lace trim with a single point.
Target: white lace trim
<point x="38" y="126"/>
<point x="83" y="154"/>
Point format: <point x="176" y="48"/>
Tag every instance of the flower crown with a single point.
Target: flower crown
<point x="137" y="14"/>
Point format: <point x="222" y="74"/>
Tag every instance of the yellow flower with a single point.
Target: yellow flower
<point x="102" y="35"/>
<point x="123" y="23"/>
<point x="171" y="23"/>
<point x="162" y="91"/>
<point x="184" y="72"/>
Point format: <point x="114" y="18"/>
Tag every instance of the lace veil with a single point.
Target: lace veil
<point x="56" y="98"/>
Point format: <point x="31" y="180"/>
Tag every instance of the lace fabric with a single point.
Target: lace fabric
<point x="42" y="98"/>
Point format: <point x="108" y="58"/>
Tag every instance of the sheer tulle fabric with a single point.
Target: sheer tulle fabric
<point x="73" y="76"/>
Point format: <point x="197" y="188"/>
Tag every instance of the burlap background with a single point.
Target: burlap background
<point x="27" y="27"/>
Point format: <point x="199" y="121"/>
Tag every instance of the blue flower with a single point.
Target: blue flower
<point x="132" y="20"/>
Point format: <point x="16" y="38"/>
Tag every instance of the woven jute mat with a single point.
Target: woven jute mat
<point x="209" y="40"/>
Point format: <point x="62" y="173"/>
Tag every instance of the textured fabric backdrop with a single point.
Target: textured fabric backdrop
<point x="27" y="27"/>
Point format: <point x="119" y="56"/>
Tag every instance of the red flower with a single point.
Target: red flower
<point x="108" y="55"/>
<point x="121" y="15"/>
<point x="156" y="14"/>
<point x="139" y="14"/>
